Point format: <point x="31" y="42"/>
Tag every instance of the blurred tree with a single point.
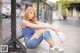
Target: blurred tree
<point x="56" y="5"/>
<point x="53" y="5"/>
<point x="44" y="0"/>
<point x="39" y="0"/>
<point x="65" y="5"/>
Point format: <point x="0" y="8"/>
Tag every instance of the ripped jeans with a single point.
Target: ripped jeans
<point x="33" y="43"/>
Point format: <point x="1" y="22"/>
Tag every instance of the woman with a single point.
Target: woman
<point x="34" y="32"/>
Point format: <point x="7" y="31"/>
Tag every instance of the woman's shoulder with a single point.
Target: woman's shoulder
<point x="26" y="23"/>
<point x="23" y="22"/>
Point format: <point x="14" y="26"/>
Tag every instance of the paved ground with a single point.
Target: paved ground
<point x="71" y="29"/>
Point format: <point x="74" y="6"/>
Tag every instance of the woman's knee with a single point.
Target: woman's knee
<point x="46" y="34"/>
<point x="31" y="43"/>
<point x="41" y="30"/>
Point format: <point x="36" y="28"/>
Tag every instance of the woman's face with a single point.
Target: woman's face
<point x="31" y="15"/>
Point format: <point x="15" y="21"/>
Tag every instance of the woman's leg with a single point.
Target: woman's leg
<point x="38" y="36"/>
<point x="46" y="35"/>
<point x="38" y="33"/>
<point x="48" y="38"/>
<point x="51" y="42"/>
<point x="35" y="40"/>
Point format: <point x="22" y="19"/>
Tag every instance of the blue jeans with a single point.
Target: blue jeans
<point x="33" y="43"/>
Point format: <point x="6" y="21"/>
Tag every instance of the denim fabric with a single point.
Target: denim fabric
<point x="28" y="31"/>
<point x="33" y="43"/>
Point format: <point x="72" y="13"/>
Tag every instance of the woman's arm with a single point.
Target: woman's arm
<point x="46" y="24"/>
<point x="37" y="22"/>
<point x="25" y="23"/>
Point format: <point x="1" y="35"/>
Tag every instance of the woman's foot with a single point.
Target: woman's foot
<point x="56" y="48"/>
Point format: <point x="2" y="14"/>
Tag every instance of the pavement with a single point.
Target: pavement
<point x="71" y="29"/>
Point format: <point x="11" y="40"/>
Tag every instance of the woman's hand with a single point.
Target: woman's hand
<point x="55" y="28"/>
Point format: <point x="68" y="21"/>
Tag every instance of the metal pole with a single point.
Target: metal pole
<point x="28" y="3"/>
<point x="0" y="22"/>
<point x="51" y="15"/>
<point x="13" y="21"/>
<point x="38" y="10"/>
<point x="13" y="30"/>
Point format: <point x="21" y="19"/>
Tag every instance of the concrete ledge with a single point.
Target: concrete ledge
<point x="32" y="50"/>
<point x="56" y="52"/>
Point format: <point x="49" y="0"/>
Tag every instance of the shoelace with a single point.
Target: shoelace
<point x="56" y="49"/>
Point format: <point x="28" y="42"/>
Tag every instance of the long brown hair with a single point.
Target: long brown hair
<point x="26" y="15"/>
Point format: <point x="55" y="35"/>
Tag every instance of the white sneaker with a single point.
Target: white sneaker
<point x="24" y="44"/>
<point x="56" y="48"/>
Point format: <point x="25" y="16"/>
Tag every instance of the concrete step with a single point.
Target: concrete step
<point x="57" y="52"/>
<point x="40" y="50"/>
<point x="35" y="51"/>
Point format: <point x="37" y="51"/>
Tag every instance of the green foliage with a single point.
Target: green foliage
<point x="39" y="0"/>
<point x="44" y="0"/>
<point x="56" y="6"/>
<point x="53" y="5"/>
<point x="65" y="5"/>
